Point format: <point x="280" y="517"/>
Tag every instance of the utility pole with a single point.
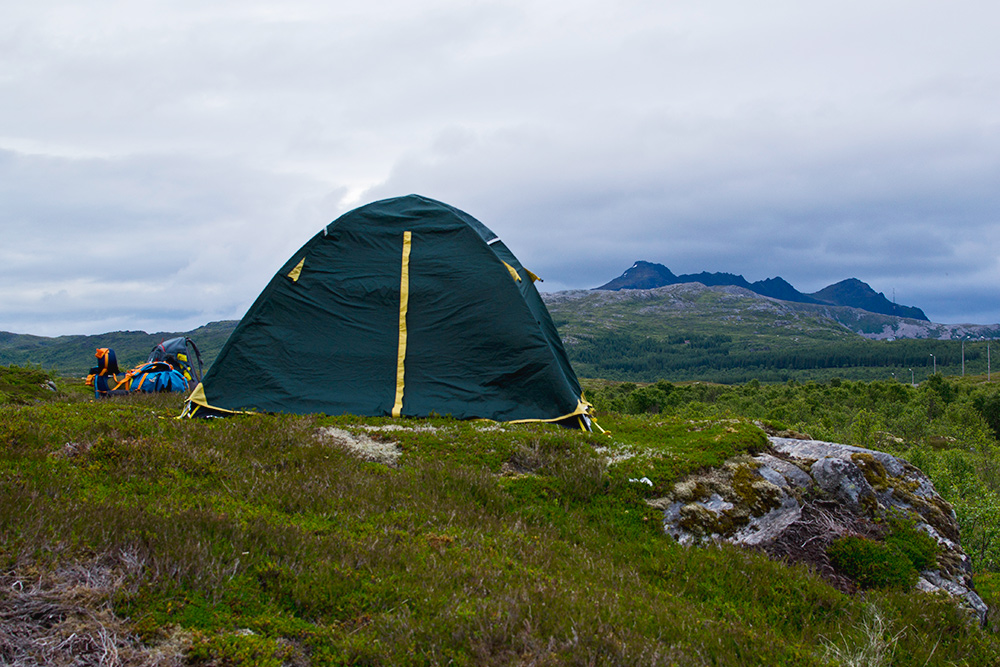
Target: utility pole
<point x="935" y="363"/>
<point x="912" y="383"/>
<point x="963" y="357"/>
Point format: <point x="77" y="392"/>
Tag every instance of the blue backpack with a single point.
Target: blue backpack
<point x="176" y="352"/>
<point x="156" y="376"/>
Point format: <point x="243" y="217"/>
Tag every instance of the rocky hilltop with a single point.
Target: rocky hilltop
<point x="731" y="305"/>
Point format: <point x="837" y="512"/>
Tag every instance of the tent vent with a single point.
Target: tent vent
<point x="297" y="271"/>
<point x="513" y="273"/>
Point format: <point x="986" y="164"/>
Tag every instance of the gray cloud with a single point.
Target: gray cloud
<point x="159" y="161"/>
<point x="142" y="241"/>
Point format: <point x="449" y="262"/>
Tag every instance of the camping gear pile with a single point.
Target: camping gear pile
<point x="404" y="307"/>
<point x="168" y="368"/>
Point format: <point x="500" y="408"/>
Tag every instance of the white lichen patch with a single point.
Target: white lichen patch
<point x="361" y="445"/>
<point x="397" y="427"/>
<point x="617" y="453"/>
<point x="491" y="428"/>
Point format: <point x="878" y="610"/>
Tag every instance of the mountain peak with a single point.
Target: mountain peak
<point x="851" y="292"/>
<point x="779" y="288"/>
<point x="642" y="275"/>
<point x="858" y="294"/>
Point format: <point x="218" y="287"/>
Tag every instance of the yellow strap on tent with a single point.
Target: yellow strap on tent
<point x="582" y="408"/>
<point x="534" y="278"/>
<point x="197" y="400"/>
<point x="513" y="273"/>
<point x="297" y="271"/>
<point x="404" y="303"/>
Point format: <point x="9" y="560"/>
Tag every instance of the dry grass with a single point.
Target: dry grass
<point x="873" y="645"/>
<point x="64" y="617"/>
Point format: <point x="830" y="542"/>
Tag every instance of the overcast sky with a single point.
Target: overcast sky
<point x="159" y="161"/>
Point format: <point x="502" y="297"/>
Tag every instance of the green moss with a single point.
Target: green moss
<point x="703" y="522"/>
<point x="753" y="492"/>
<point x="936" y="511"/>
<point x="736" y="483"/>
<point x="870" y="505"/>
<point x="668" y="449"/>
<point x="872" y="469"/>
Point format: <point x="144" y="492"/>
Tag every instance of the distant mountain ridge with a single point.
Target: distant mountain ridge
<point x="852" y="292"/>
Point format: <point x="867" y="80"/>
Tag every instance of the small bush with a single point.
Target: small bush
<point x="918" y="547"/>
<point x="872" y="564"/>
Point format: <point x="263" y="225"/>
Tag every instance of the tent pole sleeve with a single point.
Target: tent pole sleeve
<point x="404" y="301"/>
<point x="197" y="354"/>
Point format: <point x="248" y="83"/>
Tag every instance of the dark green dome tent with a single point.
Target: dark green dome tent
<point x="404" y="307"/>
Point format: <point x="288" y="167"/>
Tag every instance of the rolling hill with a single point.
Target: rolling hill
<point x="74" y="355"/>
<point x="689" y="331"/>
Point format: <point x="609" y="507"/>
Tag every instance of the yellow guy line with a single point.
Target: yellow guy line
<point x="404" y="301"/>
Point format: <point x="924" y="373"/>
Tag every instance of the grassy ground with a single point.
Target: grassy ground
<point x="130" y="537"/>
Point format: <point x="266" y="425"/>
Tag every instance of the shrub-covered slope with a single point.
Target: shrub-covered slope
<point x="729" y="334"/>
<point x="271" y="540"/>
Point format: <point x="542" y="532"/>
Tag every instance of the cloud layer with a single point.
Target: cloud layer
<point x="159" y="161"/>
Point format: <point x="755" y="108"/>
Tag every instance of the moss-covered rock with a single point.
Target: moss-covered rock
<point x="820" y="493"/>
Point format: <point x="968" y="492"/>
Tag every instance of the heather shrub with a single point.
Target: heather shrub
<point x="872" y="564"/>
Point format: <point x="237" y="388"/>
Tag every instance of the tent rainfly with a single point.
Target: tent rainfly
<point x="404" y="307"/>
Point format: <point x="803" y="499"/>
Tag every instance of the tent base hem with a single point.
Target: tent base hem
<point x="197" y="407"/>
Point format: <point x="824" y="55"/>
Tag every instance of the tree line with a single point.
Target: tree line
<point x="722" y="358"/>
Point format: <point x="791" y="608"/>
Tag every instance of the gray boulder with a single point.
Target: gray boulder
<point x="843" y="481"/>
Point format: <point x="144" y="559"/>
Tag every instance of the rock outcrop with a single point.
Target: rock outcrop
<point x="793" y="501"/>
